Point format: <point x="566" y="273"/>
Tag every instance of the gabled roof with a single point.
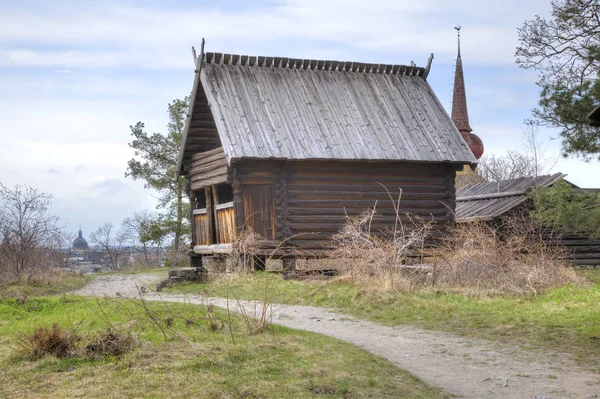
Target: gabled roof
<point x="486" y="201"/>
<point x="294" y="109"/>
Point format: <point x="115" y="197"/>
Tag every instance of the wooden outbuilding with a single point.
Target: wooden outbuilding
<point x="290" y="147"/>
<point x="496" y="202"/>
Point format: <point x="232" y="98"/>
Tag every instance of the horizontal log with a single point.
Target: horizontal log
<point x="353" y="212"/>
<point x="390" y="182"/>
<point x="363" y="167"/>
<point x="218" y="152"/>
<point x="586" y="255"/>
<point x="202" y="136"/>
<point x="197" y="185"/>
<point x="378" y="220"/>
<point x="374" y="195"/>
<point x="574" y="243"/>
<point x="587" y="262"/>
<point x="365" y="204"/>
<point x="221" y="176"/>
<point x="343" y="186"/>
<point x="206" y="124"/>
<point x="213" y="249"/>
<point x="208" y="164"/>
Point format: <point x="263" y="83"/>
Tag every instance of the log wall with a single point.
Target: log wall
<point x="208" y="168"/>
<point x="312" y="199"/>
<point x="583" y="251"/>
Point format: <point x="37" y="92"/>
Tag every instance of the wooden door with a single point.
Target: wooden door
<point x="259" y="209"/>
<point x="202" y="227"/>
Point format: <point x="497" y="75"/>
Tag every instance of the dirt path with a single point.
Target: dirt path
<point x="469" y="368"/>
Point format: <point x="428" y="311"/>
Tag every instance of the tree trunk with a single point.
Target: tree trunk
<point x="179" y="224"/>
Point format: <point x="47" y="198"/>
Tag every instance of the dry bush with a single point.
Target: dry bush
<point x="246" y="248"/>
<point x="48" y="341"/>
<point x="380" y="258"/>
<point x="111" y="343"/>
<point x="511" y="258"/>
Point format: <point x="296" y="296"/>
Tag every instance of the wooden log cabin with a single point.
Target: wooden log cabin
<point x="290" y="147"/>
<point x="498" y="202"/>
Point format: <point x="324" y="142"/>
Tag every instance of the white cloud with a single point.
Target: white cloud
<point x="76" y="74"/>
<point x="115" y="34"/>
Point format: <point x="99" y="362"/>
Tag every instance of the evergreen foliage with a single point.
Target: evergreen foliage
<point x="565" y="50"/>
<point x="155" y="163"/>
<point x="561" y="206"/>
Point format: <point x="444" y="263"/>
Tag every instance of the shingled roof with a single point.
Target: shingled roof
<point x="486" y="201"/>
<point x="294" y="109"/>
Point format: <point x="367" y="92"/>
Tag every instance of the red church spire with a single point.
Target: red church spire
<point x="460" y="115"/>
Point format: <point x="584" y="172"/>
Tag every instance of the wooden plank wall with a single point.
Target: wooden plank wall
<point x="312" y="199"/>
<point x="226" y="222"/>
<point x="202" y="229"/>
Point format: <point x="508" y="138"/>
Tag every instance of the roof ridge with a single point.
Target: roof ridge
<point x="310" y="64"/>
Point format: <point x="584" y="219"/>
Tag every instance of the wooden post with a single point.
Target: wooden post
<point x="215" y="215"/>
<point x="238" y="202"/>
<point x="284" y="204"/>
<point x="209" y="214"/>
<point x="192" y="195"/>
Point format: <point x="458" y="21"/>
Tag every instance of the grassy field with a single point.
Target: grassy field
<point x="563" y="319"/>
<point x="187" y="351"/>
<point x="57" y="284"/>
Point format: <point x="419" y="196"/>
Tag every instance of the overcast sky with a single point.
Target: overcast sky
<point x="75" y="75"/>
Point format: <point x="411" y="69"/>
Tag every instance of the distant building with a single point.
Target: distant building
<point x="80" y="244"/>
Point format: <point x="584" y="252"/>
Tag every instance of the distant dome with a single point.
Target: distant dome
<point x="474" y="143"/>
<point x="80" y="243"/>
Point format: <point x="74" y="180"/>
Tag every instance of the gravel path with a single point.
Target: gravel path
<point x="469" y="368"/>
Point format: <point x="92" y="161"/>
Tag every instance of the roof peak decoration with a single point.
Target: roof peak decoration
<point x="316" y="65"/>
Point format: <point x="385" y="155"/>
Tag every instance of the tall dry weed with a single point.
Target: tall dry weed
<point x="513" y="257"/>
<point x="379" y="258"/>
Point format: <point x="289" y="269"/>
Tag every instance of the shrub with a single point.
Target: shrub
<point x="48" y="341"/>
<point x="380" y="257"/>
<point x="111" y="343"/>
<point x="511" y="258"/>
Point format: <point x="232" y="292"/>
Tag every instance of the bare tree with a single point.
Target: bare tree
<point x="511" y="165"/>
<point x="30" y="238"/>
<point x="533" y="160"/>
<point x="111" y="240"/>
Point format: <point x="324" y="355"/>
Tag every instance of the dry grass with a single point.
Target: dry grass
<point x="506" y="259"/>
<point x="111" y="343"/>
<point x="474" y="257"/>
<point x="44" y="341"/>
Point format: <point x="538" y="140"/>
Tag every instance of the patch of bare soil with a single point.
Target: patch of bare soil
<point x="465" y="367"/>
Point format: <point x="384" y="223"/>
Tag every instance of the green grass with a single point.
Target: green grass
<point x="193" y="360"/>
<point x="563" y="319"/>
<point x="58" y="283"/>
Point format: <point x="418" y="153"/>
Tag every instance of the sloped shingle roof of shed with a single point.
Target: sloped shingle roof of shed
<point x="489" y="200"/>
<point x="280" y="108"/>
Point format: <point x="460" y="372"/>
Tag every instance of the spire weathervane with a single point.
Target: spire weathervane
<point x="457" y="29"/>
